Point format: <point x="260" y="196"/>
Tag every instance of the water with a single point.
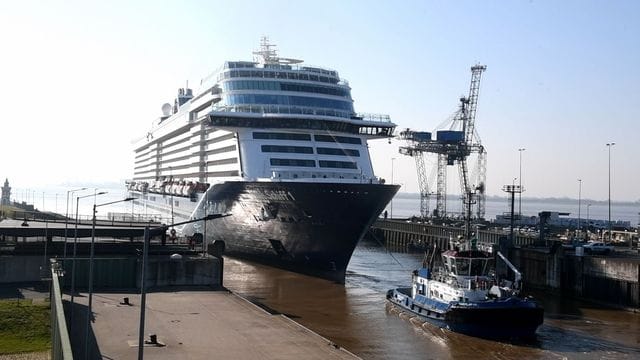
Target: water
<point x="355" y="315"/>
<point x="407" y="205"/>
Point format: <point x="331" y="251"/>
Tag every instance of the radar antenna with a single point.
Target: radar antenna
<point x="267" y="54"/>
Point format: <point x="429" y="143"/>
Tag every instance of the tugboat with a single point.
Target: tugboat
<point x="465" y="296"/>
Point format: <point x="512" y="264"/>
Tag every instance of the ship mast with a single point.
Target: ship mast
<point x="267" y="54"/>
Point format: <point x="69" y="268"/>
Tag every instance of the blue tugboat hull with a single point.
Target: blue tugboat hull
<point x="496" y="319"/>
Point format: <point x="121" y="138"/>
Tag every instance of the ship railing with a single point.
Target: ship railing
<point x="374" y="117"/>
<point x="464" y="283"/>
<point x="284" y="175"/>
<point x="283" y="109"/>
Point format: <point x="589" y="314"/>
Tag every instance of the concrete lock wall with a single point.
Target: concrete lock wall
<point x="118" y="272"/>
<point x="22" y="268"/>
<point x="189" y="270"/>
<point x="611" y="280"/>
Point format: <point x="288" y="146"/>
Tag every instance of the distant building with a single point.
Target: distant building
<point x="6" y="193"/>
<point x="562" y="219"/>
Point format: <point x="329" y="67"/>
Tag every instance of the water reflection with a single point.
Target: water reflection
<point x="356" y="316"/>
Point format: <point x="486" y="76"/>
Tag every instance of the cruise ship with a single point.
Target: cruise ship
<point x="275" y="145"/>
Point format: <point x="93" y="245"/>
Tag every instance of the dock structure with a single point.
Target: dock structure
<point x="14" y="229"/>
<point x="401" y="233"/>
<point x="612" y="280"/>
<point x="195" y="324"/>
<point x="188" y="313"/>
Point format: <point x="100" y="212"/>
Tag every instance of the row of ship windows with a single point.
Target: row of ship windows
<point x="237" y="99"/>
<point x="252" y="65"/>
<point x="312" y="163"/>
<point x="277" y="75"/>
<point x="279" y="86"/>
<point x="309" y="150"/>
<point x="306" y="137"/>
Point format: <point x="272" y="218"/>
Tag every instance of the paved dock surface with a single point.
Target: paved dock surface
<point x="195" y="325"/>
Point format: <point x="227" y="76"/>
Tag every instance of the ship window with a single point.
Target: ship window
<point x="463" y="266"/>
<point x="338" y="139"/>
<point x="338" y="164"/>
<point x="292" y="162"/>
<point x="334" y="151"/>
<point x="287" y="149"/>
<point x="477" y="267"/>
<point x="281" y="136"/>
<point x="221" y="150"/>
<point x="238" y="99"/>
<point x="223" y="161"/>
<point x="223" y="173"/>
<point x="337" y="91"/>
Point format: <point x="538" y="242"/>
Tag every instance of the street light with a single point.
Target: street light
<point x="579" y="204"/>
<point x="609" y="146"/>
<point x="75" y="246"/>
<point x="66" y="217"/>
<point x="588" y="206"/>
<point x="143" y="292"/>
<point x="171" y="192"/>
<point x="93" y="237"/>
<point x="520" y="183"/>
<point x="391" y="205"/>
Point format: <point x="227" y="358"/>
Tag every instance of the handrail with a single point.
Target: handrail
<point x="301" y="110"/>
<point x="113" y="219"/>
<point x="60" y="342"/>
<point x="282" y="109"/>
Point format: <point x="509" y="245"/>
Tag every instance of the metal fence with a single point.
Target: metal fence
<point x="60" y="343"/>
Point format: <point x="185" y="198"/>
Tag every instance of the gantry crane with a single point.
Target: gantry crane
<point x="455" y="141"/>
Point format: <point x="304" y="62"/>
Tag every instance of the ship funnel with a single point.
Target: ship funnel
<point x="184" y="95"/>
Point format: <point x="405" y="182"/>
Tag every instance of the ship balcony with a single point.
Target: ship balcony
<point x="274" y="116"/>
<point x="373" y="117"/>
<point x="283" y="109"/>
<point x="319" y="176"/>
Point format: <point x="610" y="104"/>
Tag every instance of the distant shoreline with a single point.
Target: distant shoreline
<point x="564" y="200"/>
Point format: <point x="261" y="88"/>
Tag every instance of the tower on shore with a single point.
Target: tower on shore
<point x="6" y="193"/>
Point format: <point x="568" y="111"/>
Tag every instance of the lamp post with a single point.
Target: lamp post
<point x="143" y="292"/>
<point x="520" y="183"/>
<point x="391" y="205"/>
<point x="66" y="217"/>
<point x="75" y="247"/>
<point x="579" y="204"/>
<point x="91" y="252"/>
<point x="171" y="193"/>
<point x="609" y="146"/>
<point x="588" y="206"/>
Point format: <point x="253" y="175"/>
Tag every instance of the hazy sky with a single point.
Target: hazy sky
<point x="81" y="79"/>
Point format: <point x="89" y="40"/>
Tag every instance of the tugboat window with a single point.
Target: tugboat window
<point x="463" y="266"/>
<point x="477" y="267"/>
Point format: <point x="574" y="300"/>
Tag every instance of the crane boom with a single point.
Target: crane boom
<point x="472" y="101"/>
<point x="453" y="145"/>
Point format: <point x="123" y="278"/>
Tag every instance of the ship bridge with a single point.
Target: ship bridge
<point x="368" y="125"/>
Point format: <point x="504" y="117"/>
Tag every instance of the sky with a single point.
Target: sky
<point x="80" y="80"/>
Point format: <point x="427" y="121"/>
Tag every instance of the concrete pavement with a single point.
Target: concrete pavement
<point x="205" y="324"/>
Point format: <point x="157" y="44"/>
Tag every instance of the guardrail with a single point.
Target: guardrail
<point x="60" y="343"/>
<point x="114" y="219"/>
